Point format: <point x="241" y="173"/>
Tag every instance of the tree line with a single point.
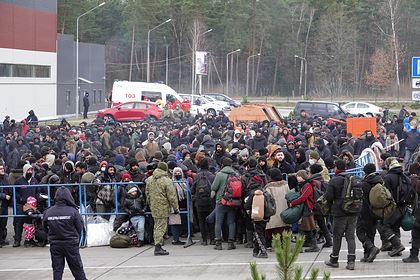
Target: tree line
<point x="349" y="47"/>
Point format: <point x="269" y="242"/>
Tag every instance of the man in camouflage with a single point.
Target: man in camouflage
<point x="161" y="197"/>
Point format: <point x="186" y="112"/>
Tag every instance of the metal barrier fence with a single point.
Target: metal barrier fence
<point x="83" y="202"/>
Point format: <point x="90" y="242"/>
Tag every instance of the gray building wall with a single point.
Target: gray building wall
<point x="91" y="68"/>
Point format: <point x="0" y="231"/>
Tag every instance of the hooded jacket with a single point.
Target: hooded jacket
<point x="220" y="180"/>
<point x="63" y="221"/>
<point x="26" y="190"/>
<point x="217" y="156"/>
<point x="135" y="205"/>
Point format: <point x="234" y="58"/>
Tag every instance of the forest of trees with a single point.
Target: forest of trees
<point x="351" y="47"/>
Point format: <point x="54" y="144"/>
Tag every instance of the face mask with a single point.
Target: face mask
<point x="312" y="161"/>
<point x="103" y="169"/>
<point x="178" y="177"/>
<point x="28" y="176"/>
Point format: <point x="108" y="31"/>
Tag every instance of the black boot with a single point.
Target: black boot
<point x="231" y="245"/>
<point x="397" y="247"/>
<point x="328" y="241"/>
<point x="218" y="245"/>
<point x="314" y="246"/>
<point x="333" y="262"/>
<point x="159" y="251"/>
<point x="373" y="252"/>
<point x="414" y="256"/>
<point x="351" y="259"/>
<point x="16" y="244"/>
<point x="386" y="246"/>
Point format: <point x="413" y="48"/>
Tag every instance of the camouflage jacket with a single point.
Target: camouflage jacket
<point x="160" y="194"/>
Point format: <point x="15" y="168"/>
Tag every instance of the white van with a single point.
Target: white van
<point x="125" y="91"/>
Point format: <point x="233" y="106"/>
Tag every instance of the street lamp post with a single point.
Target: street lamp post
<point x="247" y="71"/>
<point x="193" y="74"/>
<point x="227" y="69"/>
<point x="148" y="47"/>
<point x="302" y="60"/>
<point x="77" y="55"/>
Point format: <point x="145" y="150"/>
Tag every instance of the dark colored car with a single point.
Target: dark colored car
<point x="132" y="111"/>
<point x="320" y="108"/>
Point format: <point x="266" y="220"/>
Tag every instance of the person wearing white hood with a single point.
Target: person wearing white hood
<point x="22" y="193"/>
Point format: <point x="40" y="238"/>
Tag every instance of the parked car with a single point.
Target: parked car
<point x="222" y="97"/>
<point x="203" y="105"/>
<point x="131" y="111"/>
<point x="320" y="108"/>
<point x="363" y="108"/>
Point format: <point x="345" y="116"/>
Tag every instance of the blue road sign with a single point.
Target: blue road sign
<point x="415" y="67"/>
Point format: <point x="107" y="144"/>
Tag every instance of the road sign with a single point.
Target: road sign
<point x="415" y="95"/>
<point x="415" y="67"/>
<point x="415" y="83"/>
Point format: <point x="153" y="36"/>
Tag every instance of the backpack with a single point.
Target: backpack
<point x="232" y="195"/>
<point x="120" y="241"/>
<point x="352" y="195"/>
<point x="381" y="202"/>
<point x="202" y="191"/>
<point x="257" y="210"/>
<point x="269" y="205"/>
<point x="405" y="193"/>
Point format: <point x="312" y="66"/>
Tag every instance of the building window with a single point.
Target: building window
<point x="5" y="70"/>
<point x="25" y="70"/>
<point x="94" y="96"/>
<point x="68" y="97"/>
<point x="42" y="71"/>
<point x="100" y="97"/>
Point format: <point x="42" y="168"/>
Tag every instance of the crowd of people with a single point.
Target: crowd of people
<point x="155" y="160"/>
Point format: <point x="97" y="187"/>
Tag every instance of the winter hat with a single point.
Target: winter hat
<point x="206" y="138"/>
<point x="49" y="159"/>
<point x="31" y="201"/>
<point x="88" y="177"/>
<point x="103" y="163"/>
<point x="275" y="174"/>
<point x="314" y="155"/>
<point x="158" y="155"/>
<point x="126" y="176"/>
<point x="162" y="166"/>
<point x="252" y="162"/>
<point x="227" y="161"/>
<point x="167" y="146"/>
<point x="172" y="165"/>
<point x="150" y="134"/>
<point x="303" y="174"/>
<point x="369" y="168"/>
<point x="120" y="160"/>
<point x="244" y="153"/>
<point x="26" y="167"/>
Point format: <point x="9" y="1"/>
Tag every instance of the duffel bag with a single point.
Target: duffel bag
<point x="120" y="241"/>
<point x="292" y="215"/>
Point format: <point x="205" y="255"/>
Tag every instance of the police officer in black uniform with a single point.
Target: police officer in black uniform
<point x="64" y="225"/>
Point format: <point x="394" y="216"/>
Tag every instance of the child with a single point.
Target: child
<point x="135" y="205"/>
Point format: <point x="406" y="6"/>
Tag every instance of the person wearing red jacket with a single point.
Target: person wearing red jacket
<point x="307" y="198"/>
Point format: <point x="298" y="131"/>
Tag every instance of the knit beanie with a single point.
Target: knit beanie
<point x="314" y="155"/>
<point x="275" y="174"/>
<point x="162" y="166"/>
<point x="303" y="174"/>
<point x="369" y="168"/>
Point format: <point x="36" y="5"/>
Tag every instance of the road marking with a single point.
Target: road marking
<point x="186" y="265"/>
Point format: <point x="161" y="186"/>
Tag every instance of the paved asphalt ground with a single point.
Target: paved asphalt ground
<point x="195" y="262"/>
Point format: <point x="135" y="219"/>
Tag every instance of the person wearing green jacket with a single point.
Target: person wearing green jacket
<point x="218" y="188"/>
<point x="162" y="199"/>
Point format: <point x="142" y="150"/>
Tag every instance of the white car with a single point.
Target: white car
<point x="363" y="108"/>
<point x="203" y="105"/>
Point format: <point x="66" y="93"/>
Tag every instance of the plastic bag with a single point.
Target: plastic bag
<point x="98" y="234"/>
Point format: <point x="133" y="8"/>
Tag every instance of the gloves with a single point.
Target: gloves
<point x="212" y="194"/>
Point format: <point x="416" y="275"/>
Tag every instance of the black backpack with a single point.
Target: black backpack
<point x="405" y="192"/>
<point x="352" y="195"/>
<point x="269" y="205"/>
<point x="202" y="191"/>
